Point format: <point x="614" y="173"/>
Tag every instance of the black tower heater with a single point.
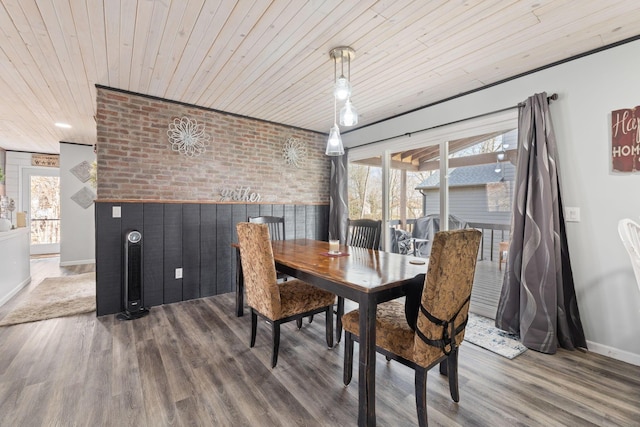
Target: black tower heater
<point x="133" y="291"/>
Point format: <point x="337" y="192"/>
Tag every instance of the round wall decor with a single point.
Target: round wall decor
<point x="187" y="137"/>
<point x="294" y="152"/>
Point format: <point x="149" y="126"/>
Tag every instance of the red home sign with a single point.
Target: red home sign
<point x="625" y="140"/>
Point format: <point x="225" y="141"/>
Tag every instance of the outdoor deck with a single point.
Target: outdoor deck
<point x="486" y="287"/>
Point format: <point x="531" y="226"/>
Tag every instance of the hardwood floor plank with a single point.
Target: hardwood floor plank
<point x="189" y="363"/>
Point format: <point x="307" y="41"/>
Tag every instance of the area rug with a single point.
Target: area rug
<point x="482" y="332"/>
<point x="56" y="297"/>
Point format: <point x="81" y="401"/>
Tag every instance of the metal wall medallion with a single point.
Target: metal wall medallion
<point x="188" y="137"/>
<point x="294" y="152"/>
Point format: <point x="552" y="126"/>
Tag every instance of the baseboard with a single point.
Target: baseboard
<point x="614" y="353"/>
<point x="15" y="291"/>
<point x="77" y="262"/>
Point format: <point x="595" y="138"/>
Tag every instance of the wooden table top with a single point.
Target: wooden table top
<point x="362" y="269"/>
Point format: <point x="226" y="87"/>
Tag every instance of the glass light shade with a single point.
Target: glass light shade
<point x="334" y="143"/>
<point x="342" y="89"/>
<point x="348" y="114"/>
<point x="500" y="156"/>
<point x="498" y="168"/>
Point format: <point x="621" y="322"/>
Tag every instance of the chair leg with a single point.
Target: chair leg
<point x="348" y="358"/>
<point x="443" y="367"/>
<point x="329" y="326"/>
<point x="339" y="313"/>
<point x="311" y="318"/>
<point x="452" y="370"/>
<point x="254" y="327"/>
<point x="299" y="323"/>
<point x="421" y="396"/>
<point x="276" y="344"/>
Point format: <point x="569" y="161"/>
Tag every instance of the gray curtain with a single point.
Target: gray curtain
<point x="338" y="202"/>
<point x="538" y="299"/>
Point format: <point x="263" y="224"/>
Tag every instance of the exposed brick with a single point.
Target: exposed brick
<point x="136" y="161"/>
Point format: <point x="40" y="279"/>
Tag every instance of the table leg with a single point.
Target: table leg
<point x="367" y="362"/>
<point x="239" y="286"/>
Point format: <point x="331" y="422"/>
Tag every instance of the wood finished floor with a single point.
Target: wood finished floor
<point x="189" y="364"/>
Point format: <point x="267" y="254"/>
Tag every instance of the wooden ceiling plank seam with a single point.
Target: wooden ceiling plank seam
<point x="98" y="41"/>
<point x="364" y="66"/>
<point x="478" y="18"/>
<point x="218" y="53"/>
<point x="174" y="39"/>
<point x="312" y="64"/>
<point x="279" y="58"/>
<point x="21" y="83"/>
<point x="144" y="28"/>
<point x="256" y="57"/>
<point x="364" y="23"/>
<point x="39" y="48"/>
<point x="234" y="34"/>
<point x="112" y="37"/>
<point x="205" y="31"/>
<point x="66" y="31"/>
<point x="416" y="67"/>
<point x="552" y="32"/>
<point x="128" y="24"/>
<point x="80" y="17"/>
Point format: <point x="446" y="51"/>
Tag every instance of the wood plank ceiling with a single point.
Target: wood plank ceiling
<point x="269" y="59"/>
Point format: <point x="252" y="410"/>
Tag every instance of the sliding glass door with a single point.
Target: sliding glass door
<point x="473" y="188"/>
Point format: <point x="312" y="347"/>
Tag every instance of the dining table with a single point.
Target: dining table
<point x="365" y="276"/>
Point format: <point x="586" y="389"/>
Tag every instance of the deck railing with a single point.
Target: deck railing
<point x="492" y="235"/>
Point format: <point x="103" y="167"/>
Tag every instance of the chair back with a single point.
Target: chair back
<point x="629" y="231"/>
<point x="364" y="233"/>
<point x="258" y="268"/>
<point x="447" y="290"/>
<point x="275" y="224"/>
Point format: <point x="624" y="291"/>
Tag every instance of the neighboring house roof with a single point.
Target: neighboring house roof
<point x="471" y="175"/>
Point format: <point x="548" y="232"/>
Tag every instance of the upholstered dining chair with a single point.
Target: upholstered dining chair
<point x="276" y="231"/>
<point x="629" y="231"/>
<point x="441" y="320"/>
<point x="275" y="302"/>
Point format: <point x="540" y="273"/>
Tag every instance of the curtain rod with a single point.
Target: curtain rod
<point x="550" y="98"/>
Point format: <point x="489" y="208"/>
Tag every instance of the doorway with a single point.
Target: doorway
<point x="41" y="201"/>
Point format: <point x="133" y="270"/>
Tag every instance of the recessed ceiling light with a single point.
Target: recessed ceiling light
<point x="63" y="125"/>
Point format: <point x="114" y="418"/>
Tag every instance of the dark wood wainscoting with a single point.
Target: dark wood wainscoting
<point x="192" y="236"/>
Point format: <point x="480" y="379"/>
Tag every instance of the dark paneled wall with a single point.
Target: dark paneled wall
<point x="194" y="237"/>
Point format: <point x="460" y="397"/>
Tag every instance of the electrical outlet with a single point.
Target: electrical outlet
<point x="178" y="273"/>
<point x="572" y="214"/>
<point x="116" y="211"/>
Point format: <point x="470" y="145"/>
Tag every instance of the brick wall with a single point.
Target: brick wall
<point x="136" y="162"/>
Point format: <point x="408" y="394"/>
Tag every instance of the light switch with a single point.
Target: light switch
<point x="116" y="212"/>
<point x="178" y="273"/>
<point x="572" y="214"/>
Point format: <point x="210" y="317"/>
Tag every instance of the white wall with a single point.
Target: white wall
<point x="589" y="88"/>
<point x="77" y="225"/>
<point x="15" y="162"/>
<point x="3" y="167"/>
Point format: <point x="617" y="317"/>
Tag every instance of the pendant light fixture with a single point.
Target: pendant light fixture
<point x="334" y="143"/>
<point x="348" y="114"/>
<point x="341" y="92"/>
